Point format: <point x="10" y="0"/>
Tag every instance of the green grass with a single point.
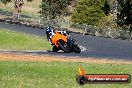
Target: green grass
<point x="19" y="41"/>
<point x="55" y="74"/>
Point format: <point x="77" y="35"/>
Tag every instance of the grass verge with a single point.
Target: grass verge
<point x="19" y="41"/>
<point x="55" y="74"/>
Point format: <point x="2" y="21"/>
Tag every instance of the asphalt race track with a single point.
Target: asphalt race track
<point x="95" y="46"/>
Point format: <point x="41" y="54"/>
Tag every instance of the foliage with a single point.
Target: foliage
<point x="108" y="22"/>
<point x="125" y="12"/>
<point x="88" y="11"/>
<point x="53" y="8"/>
<point x="106" y="7"/>
<point x="29" y="0"/>
<point x="7" y="1"/>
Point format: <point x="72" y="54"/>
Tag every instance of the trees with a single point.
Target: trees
<point x="88" y="11"/>
<point x="125" y="12"/>
<point x="53" y="8"/>
<point x="106" y="7"/>
<point x="5" y="1"/>
<point x="125" y="15"/>
<point x="17" y="8"/>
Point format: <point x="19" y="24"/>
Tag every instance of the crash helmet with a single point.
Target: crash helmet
<point x="48" y="30"/>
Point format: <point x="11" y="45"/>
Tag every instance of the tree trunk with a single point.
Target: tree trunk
<point x="17" y="10"/>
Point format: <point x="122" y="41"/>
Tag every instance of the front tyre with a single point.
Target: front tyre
<point x="64" y="47"/>
<point x="77" y="49"/>
<point x="55" y="49"/>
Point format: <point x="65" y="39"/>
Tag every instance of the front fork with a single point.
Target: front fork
<point x="72" y="44"/>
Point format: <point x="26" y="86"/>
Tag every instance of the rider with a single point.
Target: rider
<point x="50" y="33"/>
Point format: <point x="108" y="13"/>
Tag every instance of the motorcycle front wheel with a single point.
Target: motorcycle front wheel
<point x="77" y="49"/>
<point x="55" y="49"/>
<point x="64" y="47"/>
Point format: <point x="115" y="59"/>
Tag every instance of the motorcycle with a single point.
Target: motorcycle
<point x="62" y="41"/>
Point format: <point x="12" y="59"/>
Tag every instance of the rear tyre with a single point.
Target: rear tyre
<point x="55" y="49"/>
<point x="64" y="47"/>
<point x="77" y="49"/>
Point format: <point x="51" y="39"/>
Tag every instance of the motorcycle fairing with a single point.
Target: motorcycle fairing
<point x="58" y="37"/>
